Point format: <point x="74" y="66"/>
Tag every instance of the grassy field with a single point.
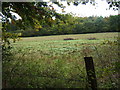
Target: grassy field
<point x="50" y="61"/>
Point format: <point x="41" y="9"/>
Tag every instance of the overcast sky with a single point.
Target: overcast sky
<point x="100" y="9"/>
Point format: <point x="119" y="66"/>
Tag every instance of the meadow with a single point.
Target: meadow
<point x="52" y="62"/>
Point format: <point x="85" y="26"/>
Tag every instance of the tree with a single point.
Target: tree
<point x="33" y="14"/>
<point x="41" y="10"/>
<point x="116" y="25"/>
<point x="115" y="4"/>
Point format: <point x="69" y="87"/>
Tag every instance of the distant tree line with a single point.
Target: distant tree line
<point x="70" y="25"/>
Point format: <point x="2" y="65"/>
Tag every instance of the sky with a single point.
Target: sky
<point x="100" y="9"/>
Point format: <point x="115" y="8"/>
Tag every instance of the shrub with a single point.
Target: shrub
<point x="92" y="38"/>
<point x="69" y="39"/>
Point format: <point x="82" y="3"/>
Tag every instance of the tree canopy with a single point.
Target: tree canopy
<point x="33" y="11"/>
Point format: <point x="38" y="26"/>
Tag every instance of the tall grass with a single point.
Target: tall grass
<point x="56" y="63"/>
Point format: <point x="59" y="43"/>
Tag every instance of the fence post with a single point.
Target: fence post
<point x="92" y="82"/>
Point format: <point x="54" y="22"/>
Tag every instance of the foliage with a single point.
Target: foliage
<point x="39" y="14"/>
<point x="30" y="12"/>
<point x="114" y="4"/>
<point x="34" y="15"/>
<point x="6" y="36"/>
<point x="75" y="25"/>
<point x="116" y="25"/>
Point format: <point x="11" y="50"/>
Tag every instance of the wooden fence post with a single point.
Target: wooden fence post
<point x="92" y="82"/>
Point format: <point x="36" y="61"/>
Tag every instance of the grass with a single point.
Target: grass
<point x="50" y="61"/>
<point x="74" y="36"/>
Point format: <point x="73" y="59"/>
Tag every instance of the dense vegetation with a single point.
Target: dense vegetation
<point x="72" y="25"/>
<point x="51" y="62"/>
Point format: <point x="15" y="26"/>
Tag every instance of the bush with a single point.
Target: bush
<point x="69" y="39"/>
<point x="92" y="38"/>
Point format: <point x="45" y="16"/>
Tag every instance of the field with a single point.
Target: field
<point x="52" y="62"/>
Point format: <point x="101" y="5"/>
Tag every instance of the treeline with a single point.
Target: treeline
<point x="71" y="25"/>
